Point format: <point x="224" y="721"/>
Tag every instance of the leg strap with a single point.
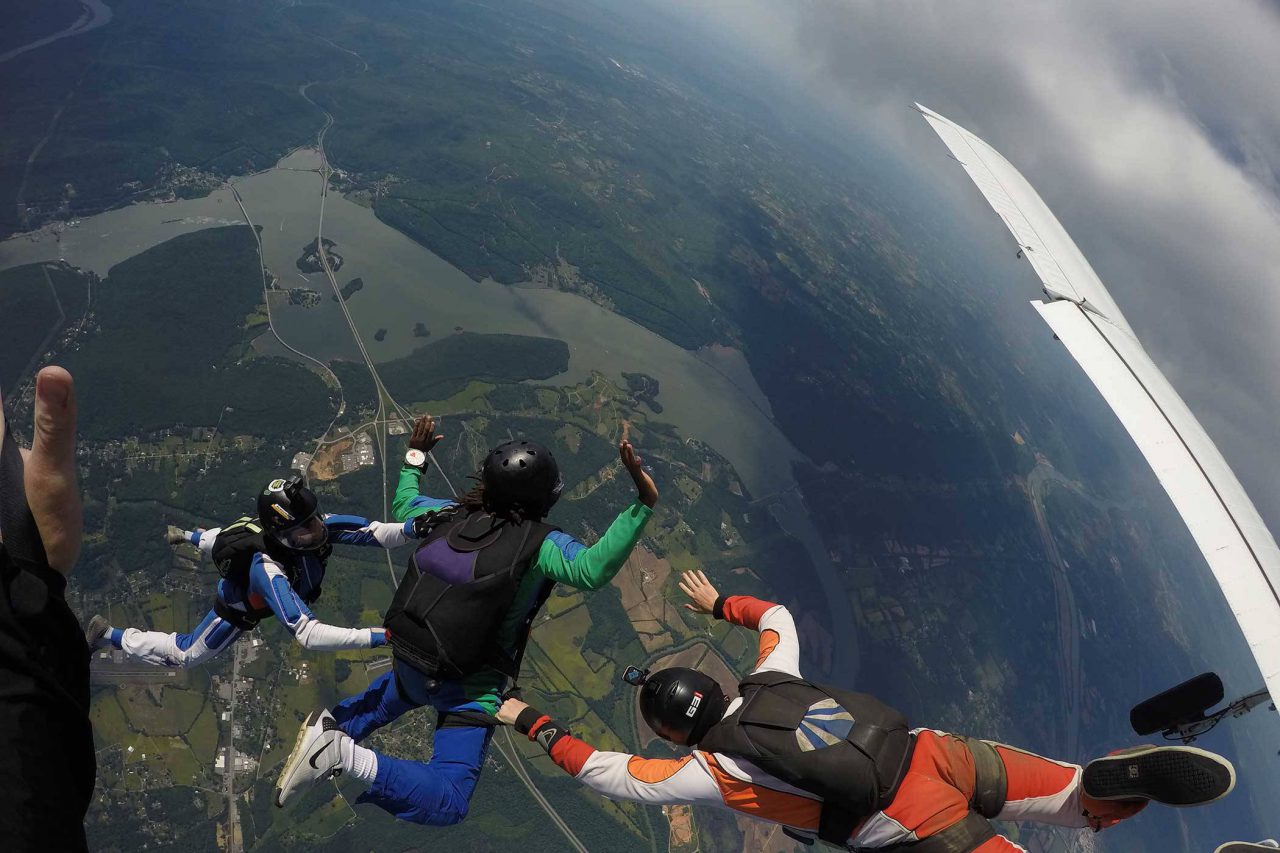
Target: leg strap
<point x="241" y="620"/>
<point x="466" y="720"/>
<point x="963" y="837"/>
<point x="991" y="783"/>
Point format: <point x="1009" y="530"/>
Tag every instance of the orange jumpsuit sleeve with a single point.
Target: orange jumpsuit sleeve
<point x="779" y="643"/>
<point x="621" y="776"/>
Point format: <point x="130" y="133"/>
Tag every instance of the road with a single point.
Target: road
<point x="513" y="758"/>
<point x="1038" y="482"/>
<point x="234" y="841"/>
<point x="385" y="401"/>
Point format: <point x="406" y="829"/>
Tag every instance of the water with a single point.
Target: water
<point x="709" y="395"/>
<point x="95" y="14"/>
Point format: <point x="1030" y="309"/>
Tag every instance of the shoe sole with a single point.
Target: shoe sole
<point x="1172" y="775"/>
<point x="310" y="721"/>
<point x="95" y="631"/>
<point x="1243" y="847"/>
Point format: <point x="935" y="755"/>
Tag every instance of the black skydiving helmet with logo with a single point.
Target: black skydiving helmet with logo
<point x="290" y="515"/>
<point x="678" y="703"/>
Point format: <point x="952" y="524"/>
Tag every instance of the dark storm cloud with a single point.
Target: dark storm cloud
<point x="1152" y="129"/>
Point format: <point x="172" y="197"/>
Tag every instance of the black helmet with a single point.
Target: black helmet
<point x="290" y="514"/>
<point x="521" y="475"/>
<point x="681" y="704"/>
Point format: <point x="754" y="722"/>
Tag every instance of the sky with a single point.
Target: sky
<point x="1152" y="130"/>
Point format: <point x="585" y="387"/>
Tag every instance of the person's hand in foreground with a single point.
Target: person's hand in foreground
<point x="510" y="710"/>
<point x="423" y="437"/>
<point x="646" y="491"/>
<point x="50" y="469"/>
<point x="702" y="594"/>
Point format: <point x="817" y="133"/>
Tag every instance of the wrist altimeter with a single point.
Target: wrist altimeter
<point x="416" y="458"/>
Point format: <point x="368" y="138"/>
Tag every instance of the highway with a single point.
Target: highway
<point x="234" y="841"/>
<point x="513" y="758"/>
<point x="388" y="407"/>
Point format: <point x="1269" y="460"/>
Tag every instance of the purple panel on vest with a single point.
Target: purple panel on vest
<point x="441" y="561"/>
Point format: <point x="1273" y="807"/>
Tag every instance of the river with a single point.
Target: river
<point x="95" y="14"/>
<point x="708" y="395"/>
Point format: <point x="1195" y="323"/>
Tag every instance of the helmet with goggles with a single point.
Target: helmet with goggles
<point x="290" y="515"/>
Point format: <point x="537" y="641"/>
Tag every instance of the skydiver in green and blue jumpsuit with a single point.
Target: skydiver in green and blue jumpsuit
<point x="519" y="483"/>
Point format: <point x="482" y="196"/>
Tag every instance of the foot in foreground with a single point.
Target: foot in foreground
<point x="1172" y="775"/>
<point x="95" y="633"/>
<point x="317" y="755"/>
<point x="1247" y="846"/>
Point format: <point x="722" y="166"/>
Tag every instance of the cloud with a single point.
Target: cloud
<point x="1151" y="128"/>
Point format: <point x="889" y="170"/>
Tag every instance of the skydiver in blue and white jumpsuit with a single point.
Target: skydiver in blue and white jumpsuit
<point x="271" y="589"/>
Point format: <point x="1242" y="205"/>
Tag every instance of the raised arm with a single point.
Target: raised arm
<point x="616" y="775"/>
<point x="409" y="502"/>
<point x="563" y="558"/>
<point x="269" y="585"/>
<point x="779" y="643"/>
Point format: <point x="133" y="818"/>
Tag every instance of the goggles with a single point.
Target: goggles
<point x="310" y="535"/>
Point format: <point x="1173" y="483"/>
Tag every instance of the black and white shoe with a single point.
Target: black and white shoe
<point x="1267" y="846"/>
<point x="95" y="633"/>
<point x="317" y="755"/>
<point x="1173" y="775"/>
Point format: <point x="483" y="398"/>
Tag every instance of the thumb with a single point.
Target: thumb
<point x="50" y="474"/>
<point x="54" y="442"/>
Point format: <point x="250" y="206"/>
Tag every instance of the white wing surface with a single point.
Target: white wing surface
<point x="1236" y="543"/>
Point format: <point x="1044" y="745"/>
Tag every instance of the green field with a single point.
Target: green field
<point x="37" y="301"/>
<point x="137" y="307"/>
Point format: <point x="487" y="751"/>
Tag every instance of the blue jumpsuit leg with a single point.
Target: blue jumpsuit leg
<point x="381" y="703"/>
<point x="436" y="792"/>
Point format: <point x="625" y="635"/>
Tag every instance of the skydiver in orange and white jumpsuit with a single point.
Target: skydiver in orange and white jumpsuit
<point x="920" y="789"/>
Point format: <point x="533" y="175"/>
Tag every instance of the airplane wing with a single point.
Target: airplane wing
<point x="1239" y="549"/>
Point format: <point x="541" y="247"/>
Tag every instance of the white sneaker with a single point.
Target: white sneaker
<point x="316" y="756"/>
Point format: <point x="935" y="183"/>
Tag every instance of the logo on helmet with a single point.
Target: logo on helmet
<point x="275" y="486"/>
<point x="693" y="706"/>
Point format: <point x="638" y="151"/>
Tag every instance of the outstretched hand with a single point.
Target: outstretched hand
<point x="423" y="437"/>
<point x="50" y="469"/>
<point x="702" y="594"/>
<point x="646" y="491"/>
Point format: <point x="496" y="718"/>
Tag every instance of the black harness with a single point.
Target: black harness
<point x="458" y="587"/>
<point x="233" y="552"/>
<point x="780" y="727"/>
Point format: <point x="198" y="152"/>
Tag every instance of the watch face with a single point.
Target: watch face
<point x="416" y="458"/>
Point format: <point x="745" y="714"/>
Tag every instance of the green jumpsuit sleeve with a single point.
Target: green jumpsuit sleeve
<point x="409" y="502"/>
<point x="563" y="558"/>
